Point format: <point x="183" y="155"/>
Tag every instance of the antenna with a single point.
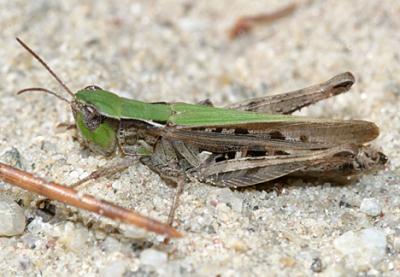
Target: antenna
<point x="48" y="69"/>
<point x="43" y="90"/>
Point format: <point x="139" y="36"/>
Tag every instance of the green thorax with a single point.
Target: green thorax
<point x="113" y="106"/>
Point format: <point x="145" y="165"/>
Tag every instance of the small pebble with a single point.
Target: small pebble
<point x="133" y="232"/>
<point x="396" y="244"/>
<point x="24" y="263"/>
<point x="48" y="146"/>
<point x="287" y="261"/>
<point x="12" y="218"/>
<point x="153" y="257"/>
<point x="363" y="248"/>
<point x="236" y="244"/>
<point x="111" y="244"/>
<point x="74" y="237"/>
<point x="13" y="158"/>
<point x="316" y="265"/>
<point x="228" y="197"/>
<point x="371" y="207"/>
<point x="30" y="240"/>
<point x="114" y="269"/>
<point x="338" y="270"/>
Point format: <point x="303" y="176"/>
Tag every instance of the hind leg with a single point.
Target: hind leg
<point x="287" y="103"/>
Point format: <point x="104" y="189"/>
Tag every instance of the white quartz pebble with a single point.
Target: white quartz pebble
<point x="12" y="218"/>
<point x="153" y="257"/>
<point x="371" y="207"/>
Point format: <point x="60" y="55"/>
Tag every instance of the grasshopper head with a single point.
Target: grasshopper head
<point x="96" y="130"/>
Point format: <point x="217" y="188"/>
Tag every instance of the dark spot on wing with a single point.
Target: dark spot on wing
<point x="253" y="103"/>
<point x="346" y="167"/>
<point x="199" y="129"/>
<point x="303" y="138"/>
<point x="280" y="153"/>
<point x="241" y="131"/>
<point x="256" y="153"/>
<point x="344" y="154"/>
<point x="217" y="130"/>
<point x="277" y="135"/>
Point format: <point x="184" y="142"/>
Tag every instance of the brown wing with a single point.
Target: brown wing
<point x="254" y="170"/>
<point x="301" y="135"/>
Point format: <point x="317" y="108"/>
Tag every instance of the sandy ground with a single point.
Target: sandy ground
<point x="179" y="51"/>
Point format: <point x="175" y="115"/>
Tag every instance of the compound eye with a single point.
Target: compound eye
<point x="93" y="87"/>
<point x="91" y="118"/>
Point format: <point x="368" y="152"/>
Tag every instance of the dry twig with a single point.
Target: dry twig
<point x="87" y="202"/>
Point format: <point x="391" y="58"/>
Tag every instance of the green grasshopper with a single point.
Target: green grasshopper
<point x="244" y="144"/>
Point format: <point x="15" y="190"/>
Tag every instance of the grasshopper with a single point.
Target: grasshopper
<point x="240" y="145"/>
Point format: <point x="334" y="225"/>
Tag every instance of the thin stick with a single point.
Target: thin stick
<point x="246" y="23"/>
<point x="87" y="202"/>
<point x="33" y="53"/>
